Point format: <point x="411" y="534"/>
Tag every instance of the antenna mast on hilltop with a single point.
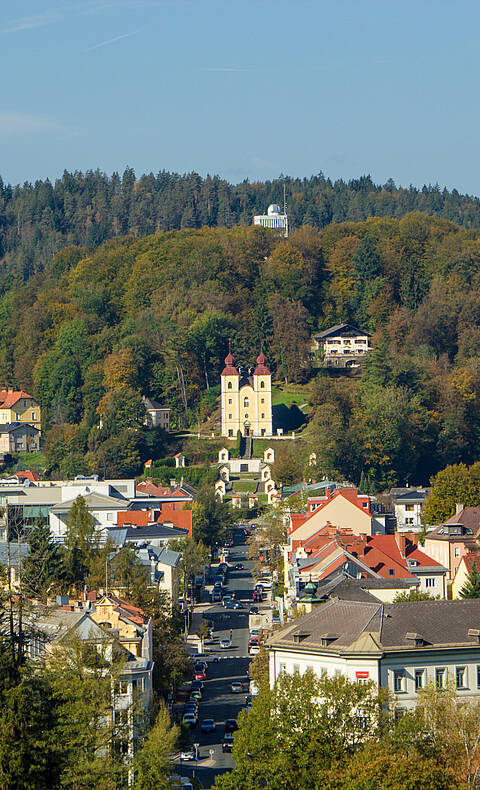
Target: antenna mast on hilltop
<point x="285" y="211"/>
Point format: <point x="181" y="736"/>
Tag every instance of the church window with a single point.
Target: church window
<point x="262" y="400"/>
<point x="262" y="385"/>
<point x="246" y="416"/>
<point x="229" y="385"/>
<point x="263" y="416"/>
<point x="230" y="401"/>
<point x="246" y="403"/>
<point x="230" y="416"/>
<point x="230" y="431"/>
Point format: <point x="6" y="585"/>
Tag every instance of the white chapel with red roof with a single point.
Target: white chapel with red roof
<point x="246" y="398"/>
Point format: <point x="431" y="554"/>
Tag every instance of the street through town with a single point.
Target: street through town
<point x="218" y="702"/>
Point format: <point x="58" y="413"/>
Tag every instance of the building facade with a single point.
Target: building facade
<point x="401" y="647"/>
<point x="343" y="345"/>
<point x="19" y="406"/>
<point x="273" y="219"/>
<point x="246" y="399"/>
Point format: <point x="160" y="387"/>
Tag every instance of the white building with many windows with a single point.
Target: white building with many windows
<point x="273" y="219"/>
<point x="401" y="647"/>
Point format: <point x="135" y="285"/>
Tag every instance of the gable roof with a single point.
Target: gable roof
<point x="338" y="328"/>
<point x="11" y="427"/>
<point x="93" y="501"/>
<point x="125" y="609"/>
<point x="8" y="398"/>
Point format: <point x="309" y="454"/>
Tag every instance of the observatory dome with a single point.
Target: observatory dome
<point x="273" y="209"/>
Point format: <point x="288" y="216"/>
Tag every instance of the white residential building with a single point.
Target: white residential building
<point x="401" y="647"/>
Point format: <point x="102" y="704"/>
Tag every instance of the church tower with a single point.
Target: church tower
<point x="246" y="401"/>
<point x="262" y="386"/>
<point x="230" y="381"/>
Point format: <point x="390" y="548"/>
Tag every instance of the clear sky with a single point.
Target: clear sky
<point x="242" y="88"/>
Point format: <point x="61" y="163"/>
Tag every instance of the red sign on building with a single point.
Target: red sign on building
<point x="361" y="674"/>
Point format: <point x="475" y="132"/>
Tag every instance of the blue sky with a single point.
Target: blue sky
<point x="242" y="88"/>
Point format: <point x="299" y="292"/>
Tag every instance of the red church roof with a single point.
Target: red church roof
<point x="261" y="369"/>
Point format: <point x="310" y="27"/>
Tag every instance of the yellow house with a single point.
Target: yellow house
<point x="246" y="399"/>
<point x="133" y="627"/>
<point x="19" y="406"/>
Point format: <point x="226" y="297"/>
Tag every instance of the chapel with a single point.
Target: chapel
<point x="246" y="398"/>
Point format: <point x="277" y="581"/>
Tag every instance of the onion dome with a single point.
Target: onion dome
<point x="261" y="369"/>
<point x="230" y="369"/>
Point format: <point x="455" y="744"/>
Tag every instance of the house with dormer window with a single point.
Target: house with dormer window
<point x="401" y="647"/>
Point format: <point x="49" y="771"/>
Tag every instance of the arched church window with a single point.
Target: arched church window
<point x="246" y="403"/>
<point x="246" y="416"/>
<point x="229" y="385"/>
<point x="262" y="385"/>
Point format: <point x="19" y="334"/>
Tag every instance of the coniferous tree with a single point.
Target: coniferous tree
<point x="43" y="565"/>
<point x="471" y="588"/>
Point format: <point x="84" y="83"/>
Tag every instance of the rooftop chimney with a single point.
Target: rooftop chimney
<point x="458" y="508"/>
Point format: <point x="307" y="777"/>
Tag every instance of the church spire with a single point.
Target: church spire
<point x="261" y="369"/>
<point x="230" y="368"/>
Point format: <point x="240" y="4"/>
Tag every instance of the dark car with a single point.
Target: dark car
<point x="253" y="610"/>
<point x="239" y="566"/>
<point x="238" y="605"/>
<point x="200" y="666"/>
<point x="227" y="744"/>
<point x="231" y="725"/>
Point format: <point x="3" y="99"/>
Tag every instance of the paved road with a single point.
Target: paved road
<point x="218" y="702"/>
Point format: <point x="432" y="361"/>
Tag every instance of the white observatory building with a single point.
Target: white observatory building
<point x="273" y="219"/>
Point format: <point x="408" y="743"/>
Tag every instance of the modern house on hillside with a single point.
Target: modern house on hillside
<point x="343" y="345"/>
<point x="401" y="647"/>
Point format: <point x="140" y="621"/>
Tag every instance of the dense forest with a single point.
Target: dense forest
<point x="86" y="209"/>
<point x="153" y="315"/>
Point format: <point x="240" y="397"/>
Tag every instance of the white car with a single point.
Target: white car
<point x="188" y="754"/>
<point x="266" y="583"/>
<point x="254" y="649"/>
<point x="225" y="644"/>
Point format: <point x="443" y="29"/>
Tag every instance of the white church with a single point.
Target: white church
<point x="246" y="399"/>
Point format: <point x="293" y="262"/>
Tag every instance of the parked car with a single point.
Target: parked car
<point x="238" y="605"/>
<point x="229" y="605"/>
<point x="196" y="694"/>
<point x="254" y="649"/>
<point x="254" y="632"/>
<point x="188" y="754"/>
<point x="202" y="664"/>
<point x="198" y="685"/>
<point x="266" y="584"/>
<point x="231" y="725"/>
<point x="208" y="725"/>
<point x="225" y="644"/>
<point x="200" y="675"/>
<point x="239" y="566"/>
<point x="253" y="610"/>
<point x="236" y="687"/>
<point x="190" y="719"/>
<point x="227" y="743"/>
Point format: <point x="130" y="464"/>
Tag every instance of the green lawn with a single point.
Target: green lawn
<point x="244" y="486"/>
<point x="289" y="395"/>
<point x="35" y="461"/>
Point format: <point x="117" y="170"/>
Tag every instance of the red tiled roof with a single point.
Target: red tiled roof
<point x="179" y="518"/>
<point x="9" y="398"/>
<point x="469" y="559"/>
<point x="296" y="521"/>
<point x="27" y="474"/>
<point x="129" y="611"/>
<point x="351" y="494"/>
<point x="138" y="518"/>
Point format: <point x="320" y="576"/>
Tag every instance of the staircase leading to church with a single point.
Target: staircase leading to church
<point x="248" y="452"/>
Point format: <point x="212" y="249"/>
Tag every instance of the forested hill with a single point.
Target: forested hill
<point x="37" y="220"/>
<point x="96" y="329"/>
